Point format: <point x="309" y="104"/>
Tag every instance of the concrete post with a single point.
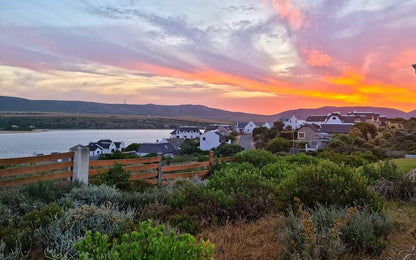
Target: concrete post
<point x="159" y="169"/>
<point x="81" y="164"/>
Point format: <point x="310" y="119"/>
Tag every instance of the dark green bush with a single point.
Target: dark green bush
<point x="42" y="217"/>
<point x="258" y="158"/>
<point x="385" y="169"/>
<point x="115" y="176"/>
<point x="224" y="150"/>
<point x="278" y="144"/>
<point x="327" y="183"/>
<point x="47" y="191"/>
<point x="185" y="224"/>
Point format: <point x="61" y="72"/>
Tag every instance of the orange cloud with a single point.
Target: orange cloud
<point x="289" y="13"/>
<point x="405" y="59"/>
<point x="318" y="58"/>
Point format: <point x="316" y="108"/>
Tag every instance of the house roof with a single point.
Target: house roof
<point x="314" y="127"/>
<point x="163" y="148"/>
<point x="175" y="142"/>
<point x="94" y="147"/>
<point x="336" y="128"/>
<point x="105" y="143"/>
<point x="348" y="119"/>
<point x="186" y="129"/>
<point x="242" y="124"/>
<point x="383" y="118"/>
<point x="316" y="118"/>
<point x="118" y="144"/>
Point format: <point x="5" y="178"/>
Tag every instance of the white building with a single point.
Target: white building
<point x="293" y="122"/>
<point x="186" y="132"/>
<point x="245" y="128"/>
<point x="267" y="125"/>
<point x="211" y="139"/>
<point x="120" y="146"/>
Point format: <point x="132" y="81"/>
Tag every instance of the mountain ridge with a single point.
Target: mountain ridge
<point x="16" y="104"/>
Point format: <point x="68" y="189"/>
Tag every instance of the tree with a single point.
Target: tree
<point x="278" y="125"/>
<point x="278" y="144"/>
<point x="225" y="149"/>
<point x="132" y="147"/>
<point x="367" y="130"/>
<point x="190" y="146"/>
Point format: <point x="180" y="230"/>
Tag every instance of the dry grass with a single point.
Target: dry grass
<point x="403" y="236"/>
<point x="256" y="240"/>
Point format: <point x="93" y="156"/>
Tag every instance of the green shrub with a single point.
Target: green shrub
<point x="42" y="217"/>
<point x="115" y="176"/>
<point x="277" y="171"/>
<point x="224" y="150"/>
<point x="329" y="232"/>
<point x="185" y="224"/>
<point x="132" y="147"/>
<point x="327" y="183"/>
<point x="148" y="243"/>
<point x="278" y="144"/>
<point x="46" y="191"/>
<point x="400" y="188"/>
<point x="258" y="158"/>
<point x="385" y="169"/>
<point x="93" y="194"/>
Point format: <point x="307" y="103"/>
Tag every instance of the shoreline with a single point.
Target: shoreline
<point x="72" y="129"/>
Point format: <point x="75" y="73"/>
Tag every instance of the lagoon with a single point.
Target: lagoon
<point x="49" y="141"/>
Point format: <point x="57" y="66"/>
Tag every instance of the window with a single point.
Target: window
<point x="203" y="138"/>
<point x="334" y="118"/>
<point x="301" y="135"/>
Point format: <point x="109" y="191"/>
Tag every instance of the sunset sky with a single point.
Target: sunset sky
<point x="263" y="56"/>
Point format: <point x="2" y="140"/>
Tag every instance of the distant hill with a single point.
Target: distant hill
<point x="13" y="104"/>
<point x="304" y="113"/>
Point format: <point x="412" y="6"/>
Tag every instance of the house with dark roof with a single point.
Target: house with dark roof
<point x="314" y="136"/>
<point x="105" y="146"/>
<point x="175" y="142"/>
<point x="95" y="149"/>
<point x="186" y="132"/>
<point x="165" y="149"/>
<point x="212" y="139"/>
<point x="120" y="146"/>
<point x="293" y="123"/>
<point x="245" y="127"/>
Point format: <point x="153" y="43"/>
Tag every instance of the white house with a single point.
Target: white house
<point x="210" y="139"/>
<point x="245" y="128"/>
<point x="95" y="150"/>
<point x="267" y="125"/>
<point x="120" y="146"/>
<point x="293" y="122"/>
<point x="186" y="132"/>
<point x="108" y="145"/>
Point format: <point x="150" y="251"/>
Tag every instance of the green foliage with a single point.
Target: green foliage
<point x="278" y="144"/>
<point x="329" y="232"/>
<point x="132" y="147"/>
<point x="384" y="169"/>
<point x="148" y="243"/>
<point x="46" y="191"/>
<point x="93" y="194"/>
<point x="115" y="176"/>
<point x="355" y="159"/>
<point x="224" y="150"/>
<point x="327" y="183"/>
<point x="117" y="155"/>
<point x="367" y="130"/>
<point x="185" y="224"/>
<point x="43" y="216"/>
<point x="258" y="158"/>
<point x="190" y="146"/>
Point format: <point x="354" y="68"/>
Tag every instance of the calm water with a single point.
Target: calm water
<point x="26" y="144"/>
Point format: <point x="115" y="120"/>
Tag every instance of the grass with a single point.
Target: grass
<point x="256" y="240"/>
<point x="405" y="164"/>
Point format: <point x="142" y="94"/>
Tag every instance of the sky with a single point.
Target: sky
<point x="258" y="56"/>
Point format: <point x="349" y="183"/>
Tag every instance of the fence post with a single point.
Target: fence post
<point x="81" y="163"/>
<point x="211" y="158"/>
<point x="159" y="170"/>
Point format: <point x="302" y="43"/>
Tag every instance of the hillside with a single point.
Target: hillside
<point x="188" y="111"/>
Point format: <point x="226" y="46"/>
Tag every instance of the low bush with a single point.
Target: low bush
<point x="278" y="144"/>
<point x="330" y="232"/>
<point x="115" y="176"/>
<point x="399" y="188"/>
<point x="185" y="224"/>
<point x="327" y="183"/>
<point x="47" y="191"/>
<point x="385" y="169"/>
<point x="148" y="243"/>
<point x="224" y="150"/>
<point x="258" y="158"/>
<point x="93" y="194"/>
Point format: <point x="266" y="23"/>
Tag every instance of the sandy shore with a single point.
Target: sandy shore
<point x="22" y="132"/>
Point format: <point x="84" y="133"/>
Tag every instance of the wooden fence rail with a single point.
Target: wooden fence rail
<point x="19" y="171"/>
<point x="76" y="164"/>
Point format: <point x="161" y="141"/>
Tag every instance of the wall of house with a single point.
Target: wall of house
<point x="248" y="129"/>
<point x="310" y="135"/>
<point x="209" y="140"/>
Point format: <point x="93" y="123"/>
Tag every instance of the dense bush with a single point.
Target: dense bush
<point x="46" y="191"/>
<point x="278" y="144"/>
<point x="224" y="150"/>
<point x="258" y="158"/>
<point x="147" y="243"/>
<point x="115" y="176"/>
<point x="327" y="183"/>
<point x="385" y="169"/>
<point x="329" y="232"/>
<point x="93" y="194"/>
<point x="355" y="159"/>
<point x="190" y="146"/>
<point x="132" y="147"/>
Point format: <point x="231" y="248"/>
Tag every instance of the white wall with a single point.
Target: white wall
<point x="209" y="140"/>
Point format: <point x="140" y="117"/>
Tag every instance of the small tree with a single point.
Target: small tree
<point x="278" y="144"/>
<point x="132" y="147"/>
<point x="367" y="130"/>
<point x="190" y="146"/>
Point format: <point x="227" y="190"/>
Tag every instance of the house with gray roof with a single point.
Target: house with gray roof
<point x="186" y="132"/>
<point x="166" y="149"/>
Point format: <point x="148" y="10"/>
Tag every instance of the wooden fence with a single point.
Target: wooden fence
<point x="19" y="171"/>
